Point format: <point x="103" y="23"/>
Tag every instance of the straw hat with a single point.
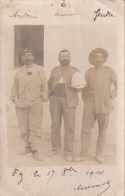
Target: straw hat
<point x="96" y="50"/>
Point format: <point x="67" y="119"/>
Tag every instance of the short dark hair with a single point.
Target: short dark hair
<point x="64" y="51"/>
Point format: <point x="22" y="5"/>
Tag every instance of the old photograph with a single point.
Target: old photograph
<point x="62" y="95"/>
<point x="62" y="98"/>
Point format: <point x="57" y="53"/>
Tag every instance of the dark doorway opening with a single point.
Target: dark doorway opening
<point x="29" y="37"/>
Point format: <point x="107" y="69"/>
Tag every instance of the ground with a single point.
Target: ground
<point x="16" y="145"/>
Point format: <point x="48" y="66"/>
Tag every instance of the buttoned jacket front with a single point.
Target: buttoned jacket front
<point x="99" y="88"/>
<point x="27" y="90"/>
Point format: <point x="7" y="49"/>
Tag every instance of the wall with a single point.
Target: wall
<point x="79" y="40"/>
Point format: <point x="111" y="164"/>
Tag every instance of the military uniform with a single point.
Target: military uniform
<point x="29" y="90"/>
<point x="97" y="96"/>
<point x="63" y="101"/>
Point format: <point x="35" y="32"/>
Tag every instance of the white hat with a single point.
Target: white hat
<point x="78" y="81"/>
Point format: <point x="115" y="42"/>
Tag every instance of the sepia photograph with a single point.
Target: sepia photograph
<point x="62" y="95"/>
<point x="62" y="98"/>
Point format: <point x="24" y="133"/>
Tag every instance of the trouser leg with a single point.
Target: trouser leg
<point x="103" y="120"/>
<point x="23" y="121"/>
<point x="69" y="115"/>
<point x="35" y="120"/>
<point x="88" y="120"/>
<point x="56" y="117"/>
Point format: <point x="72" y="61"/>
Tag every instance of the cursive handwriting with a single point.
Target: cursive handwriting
<point x="98" y="13"/>
<point x="17" y="171"/>
<point x="20" y="15"/>
<point x="36" y="174"/>
<point x="68" y="170"/>
<point x="92" y="173"/>
<point x="51" y="174"/>
<point x="82" y="187"/>
<point x="59" y="14"/>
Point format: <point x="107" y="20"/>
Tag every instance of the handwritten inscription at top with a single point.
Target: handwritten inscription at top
<point x="99" y="13"/>
<point x="21" y="15"/>
<point x="65" y="14"/>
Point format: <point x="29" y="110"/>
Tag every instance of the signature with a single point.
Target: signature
<point x="98" y="13"/>
<point x="59" y="14"/>
<point x="26" y="14"/>
<point x="82" y="187"/>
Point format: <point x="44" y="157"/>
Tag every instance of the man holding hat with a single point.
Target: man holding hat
<point x="29" y="91"/>
<point x="97" y="96"/>
<point x="63" y="101"/>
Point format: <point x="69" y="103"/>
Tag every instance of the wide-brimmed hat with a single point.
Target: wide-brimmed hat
<point x="96" y="50"/>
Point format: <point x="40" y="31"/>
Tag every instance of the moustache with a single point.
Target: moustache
<point x="99" y="61"/>
<point x="27" y="60"/>
<point x="65" y="61"/>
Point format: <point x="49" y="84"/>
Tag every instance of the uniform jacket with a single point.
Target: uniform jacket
<point x="99" y="85"/>
<point x="66" y="73"/>
<point x="29" y="86"/>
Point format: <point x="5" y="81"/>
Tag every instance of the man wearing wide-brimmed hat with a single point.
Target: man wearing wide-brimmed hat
<point x="29" y="91"/>
<point x="97" y="96"/>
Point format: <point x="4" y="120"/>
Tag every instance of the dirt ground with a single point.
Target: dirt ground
<point x="16" y="145"/>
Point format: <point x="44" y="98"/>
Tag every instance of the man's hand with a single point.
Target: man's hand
<point x="113" y="94"/>
<point x="13" y="100"/>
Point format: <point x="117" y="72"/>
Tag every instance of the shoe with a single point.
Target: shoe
<point x="100" y="159"/>
<point x="37" y="156"/>
<point x="69" y="158"/>
<point x="26" y="151"/>
<point x="52" y="153"/>
<point x="80" y="159"/>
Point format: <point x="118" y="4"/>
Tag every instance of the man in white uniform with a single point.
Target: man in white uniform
<point x="29" y="91"/>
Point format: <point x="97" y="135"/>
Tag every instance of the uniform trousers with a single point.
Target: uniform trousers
<point x="59" y="109"/>
<point x="29" y="120"/>
<point x="88" y="121"/>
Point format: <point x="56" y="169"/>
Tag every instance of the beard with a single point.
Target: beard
<point x="65" y="62"/>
